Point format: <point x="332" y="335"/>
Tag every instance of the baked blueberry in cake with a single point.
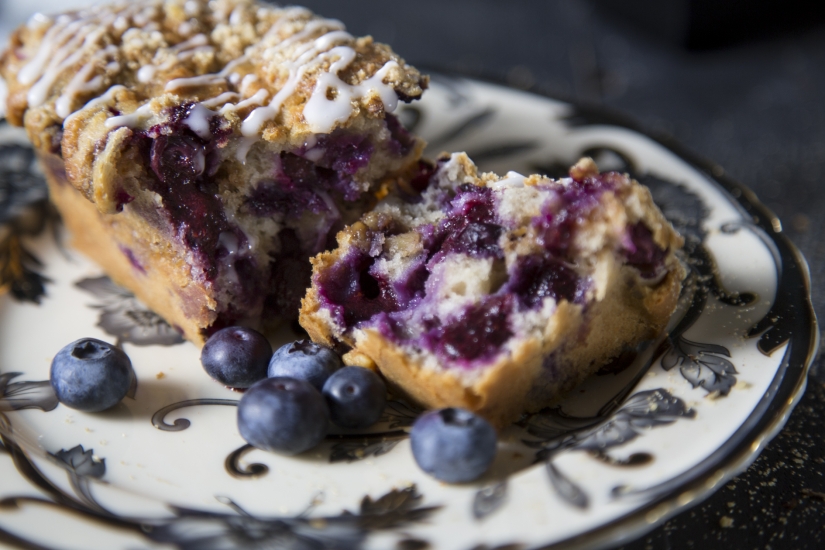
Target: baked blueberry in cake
<point x="201" y="151"/>
<point x="497" y="294"/>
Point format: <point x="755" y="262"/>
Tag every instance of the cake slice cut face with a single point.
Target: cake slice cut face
<point x="201" y="151"/>
<point x="497" y="294"/>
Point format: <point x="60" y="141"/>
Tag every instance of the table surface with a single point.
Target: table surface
<point x="755" y="107"/>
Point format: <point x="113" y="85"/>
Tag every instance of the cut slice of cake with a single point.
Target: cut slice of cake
<point x="200" y="151"/>
<point x="497" y="294"/>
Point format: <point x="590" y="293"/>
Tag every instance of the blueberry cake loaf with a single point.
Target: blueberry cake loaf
<point x="497" y="294"/>
<point x="201" y="151"/>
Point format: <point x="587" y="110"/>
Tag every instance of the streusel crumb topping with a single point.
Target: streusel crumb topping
<point x="257" y="65"/>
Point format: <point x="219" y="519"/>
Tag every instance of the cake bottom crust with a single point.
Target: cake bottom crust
<point x="162" y="283"/>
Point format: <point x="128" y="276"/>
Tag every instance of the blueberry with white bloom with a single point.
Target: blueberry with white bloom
<point x="356" y="397"/>
<point x="305" y="360"/>
<point x="453" y="445"/>
<point x="283" y="415"/>
<point x="90" y="375"/>
<point x="236" y="356"/>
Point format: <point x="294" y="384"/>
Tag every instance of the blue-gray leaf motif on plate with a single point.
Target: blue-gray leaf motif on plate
<point x="703" y="365"/>
<point x="15" y="396"/>
<point x="200" y="530"/>
<point x="124" y="317"/>
<point x="559" y="433"/>
<point x="643" y="410"/>
<point x="81" y="462"/>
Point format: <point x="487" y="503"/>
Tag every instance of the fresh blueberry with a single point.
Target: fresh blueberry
<point x="283" y="415"/>
<point x="236" y="356"/>
<point x="453" y="445"/>
<point x="305" y="360"/>
<point x="90" y="375"/>
<point x="356" y="397"/>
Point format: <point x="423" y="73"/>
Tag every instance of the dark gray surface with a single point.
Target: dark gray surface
<point x="757" y="108"/>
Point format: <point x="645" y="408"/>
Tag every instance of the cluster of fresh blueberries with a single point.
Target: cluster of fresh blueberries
<point x="290" y="397"/>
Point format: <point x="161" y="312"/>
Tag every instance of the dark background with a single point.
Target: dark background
<point x="740" y="83"/>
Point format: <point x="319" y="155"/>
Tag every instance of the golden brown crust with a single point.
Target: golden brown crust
<point x="162" y="282"/>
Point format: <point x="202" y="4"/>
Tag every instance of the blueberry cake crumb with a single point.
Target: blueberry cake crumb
<point x="497" y="294"/>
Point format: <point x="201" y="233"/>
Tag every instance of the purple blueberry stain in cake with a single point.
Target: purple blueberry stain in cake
<point x="345" y="153"/>
<point x="280" y="196"/>
<point x="410" y="289"/>
<point x="642" y="252"/>
<point x="332" y="161"/>
<point x="554" y="230"/>
<point x="567" y="206"/>
<point x="183" y="164"/>
<point x="473" y="203"/>
<point x="475" y="335"/>
<point x="468" y="228"/>
<point x="476" y="239"/>
<point x="122" y="198"/>
<point x="353" y="291"/>
<point x="304" y="178"/>
<point x="422" y="178"/>
<point x="535" y="278"/>
<point x="289" y="276"/>
<point x="238" y="270"/>
<point x="132" y="259"/>
<point x="401" y="141"/>
<point x="177" y="158"/>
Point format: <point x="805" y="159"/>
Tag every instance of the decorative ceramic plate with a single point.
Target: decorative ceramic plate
<point x="649" y="435"/>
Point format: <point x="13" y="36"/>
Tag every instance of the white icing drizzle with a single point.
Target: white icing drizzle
<point x="94" y="103"/>
<point x="331" y="101"/>
<point x="71" y="38"/>
<point x="312" y="52"/>
<point x="192" y="8"/>
<point x="194" y="42"/>
<point x="141" y="114"/>
<point x="146" y="73"/>
<point x="236" y="17"/>
<point x="229" y="242"/>
<point x="206" y="79"/>
<point x="257" y="99"/>
<point x="322" y="113"/>
<point x="510" y="179"/>
<point x="244" y="145"/>
<point x="185" y="28"/>
<point x="193" y="81"/>
<point x="247" y="81"/>
<point x="222" y="99"/>
<point x="198" y="121"/>
<point x="38" y="20"/>
<point x="81" y="83"/>
<point x="72" y="42"/>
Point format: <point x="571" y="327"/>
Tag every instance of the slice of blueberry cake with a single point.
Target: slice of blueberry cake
<point x="201" y="151"/>
<point x="497" y="294"/>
